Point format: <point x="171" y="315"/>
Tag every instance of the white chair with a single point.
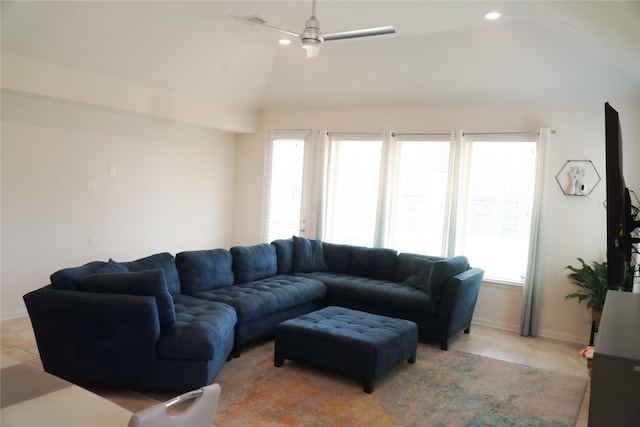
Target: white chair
<point x="200" y="413"/>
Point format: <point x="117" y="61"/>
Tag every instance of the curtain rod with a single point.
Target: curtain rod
<point x="394" y="134"/>
<point x="506" y="133"/>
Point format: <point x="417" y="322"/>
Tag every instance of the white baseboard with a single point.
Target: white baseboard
<point x="495" y="324"/>
<point x="579" y="339"/>
<point x="13" y="315"/>
<point x="542" y="333"/>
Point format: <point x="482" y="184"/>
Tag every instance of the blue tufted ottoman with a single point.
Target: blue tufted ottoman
<point x="355" y="343"/>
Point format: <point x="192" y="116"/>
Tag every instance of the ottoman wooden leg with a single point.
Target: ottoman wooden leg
<point x="412" y="358"/>
<point x="278" y="361"/>
<point x="369" y="385"/>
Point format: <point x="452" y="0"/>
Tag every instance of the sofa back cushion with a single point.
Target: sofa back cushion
<point x="112" y="267"/>
<point x="68" y="278"/>
<point x="337" y="257"/>
<point x="377" y="263"/>
<point x="163" y="260"/>
<point x="284" y="253"/>
<point x="254" y="262"/>
<point x="308" y="255"/>
<point x="204" y="270"/>
<point x="146" y="283"/>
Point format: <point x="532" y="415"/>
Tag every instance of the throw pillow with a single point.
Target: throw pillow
<point x="69" y="278"/>
<point x="409" y="264"/>
<point x="163" y="260"/>
<point x="145" y="283"/>
<point x="420" y="279"/>
<point x="442" y="271"/>
<point x="308" y="255"/>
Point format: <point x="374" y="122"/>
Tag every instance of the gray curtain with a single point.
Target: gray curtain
<point x="531" y="292"/>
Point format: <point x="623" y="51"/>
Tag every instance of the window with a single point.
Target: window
<point x="418" y="210"/>
<point x="353" y="183"/>
<point x="285" y="174"/>
<point x="441" y="195"/>
<point x="496" y="206"/>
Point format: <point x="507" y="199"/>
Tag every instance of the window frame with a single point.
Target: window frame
<point x="316" y="182"/>
<point x="307" y="169"/>
<point x="427" y="138"/>
<point x="466" y="141"/>
<point x="331" y="146"/>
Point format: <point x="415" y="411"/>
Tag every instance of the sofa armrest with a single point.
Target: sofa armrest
<point x="458" y="302"/>
<point x="87" y="337"/>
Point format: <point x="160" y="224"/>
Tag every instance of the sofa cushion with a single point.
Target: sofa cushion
<point x="378" y="295"/>
<point x="442" y="271"/>
<point x="254" y="262"/>
<point x="258" y="299"/>
<point x="201" y="329"/>
<point x="162" y="260"/>
<point x="284" y="253"/>
<point x="337" y="257"/>
<point x="308" y="255"/>
<point x="377" y="263"/>
<point x="145" y="283"/>
<point x="205" y="269"/>
<point x="68" y="278"/>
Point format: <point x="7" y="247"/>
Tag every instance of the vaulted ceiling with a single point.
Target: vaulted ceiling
<point x="444" y="52"/>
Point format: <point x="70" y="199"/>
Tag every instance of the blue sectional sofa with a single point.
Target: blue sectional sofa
<point x="172" y="322"/>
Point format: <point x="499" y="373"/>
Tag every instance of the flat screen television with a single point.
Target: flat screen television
<point x="620" y="218"/>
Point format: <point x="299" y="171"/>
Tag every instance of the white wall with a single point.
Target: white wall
<point x="29" y="76"/>
<point x="173" y="189"/>
<point x="571" y="226"/>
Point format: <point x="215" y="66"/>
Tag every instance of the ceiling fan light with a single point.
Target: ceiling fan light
<point x="312" y="49"/>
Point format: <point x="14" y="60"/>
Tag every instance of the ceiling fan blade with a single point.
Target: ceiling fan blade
<point x="291" y="33"/>
<point x="378" y="31"/>
<point x="256" y="20"/>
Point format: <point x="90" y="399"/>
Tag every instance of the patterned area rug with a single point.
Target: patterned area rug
<point x="441" y="389"/>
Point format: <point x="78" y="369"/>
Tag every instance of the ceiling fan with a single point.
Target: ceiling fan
<point x="312" y="38"/>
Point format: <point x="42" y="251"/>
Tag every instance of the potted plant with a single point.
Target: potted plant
<point x="593" y="284"/>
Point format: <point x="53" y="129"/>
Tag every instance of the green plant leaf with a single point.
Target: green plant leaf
<point x="592" y="281"/>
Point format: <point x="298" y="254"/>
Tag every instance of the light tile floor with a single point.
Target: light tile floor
<point x="18" y="342"/>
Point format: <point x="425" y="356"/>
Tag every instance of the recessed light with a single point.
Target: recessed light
<point x="284" y="42"/>
<point x="492" y="15"/>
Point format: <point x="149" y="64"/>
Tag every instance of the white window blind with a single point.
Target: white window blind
<point x="419" y="188"/>
<point x="285" y="171"/>
<point x="497" y="194"/>
<point x="353" y="182"/>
